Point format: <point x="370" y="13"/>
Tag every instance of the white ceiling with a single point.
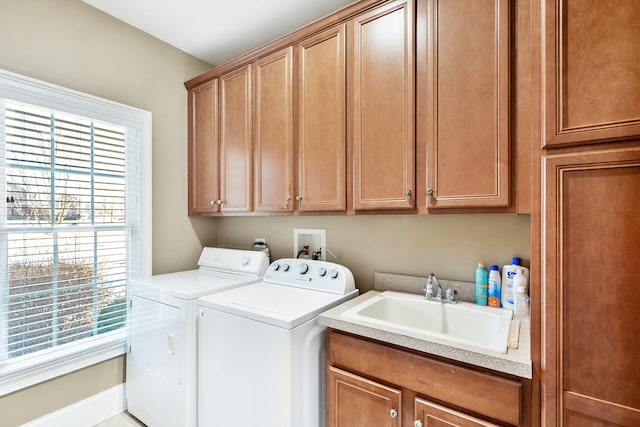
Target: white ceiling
<point x="214" y="30"/>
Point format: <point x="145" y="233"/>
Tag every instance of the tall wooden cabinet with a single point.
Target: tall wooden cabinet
<point x="203" y="149"/>
<point x="591" y="329"/>
<point x="590" y="153"/>
<point x="382" y="106"/>
<point x="464" y="69"/>
<point x="236" y="136"/>
<point x="273" y="132"/>
<point x="322" y="121"/>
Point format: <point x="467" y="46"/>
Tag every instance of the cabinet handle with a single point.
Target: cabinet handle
<point x="417" y="423"/>
<point x="407" y="192"/>
<point x="393" y="413"/>
<point x="429" y="191"/>
<point x="299" y="198"/>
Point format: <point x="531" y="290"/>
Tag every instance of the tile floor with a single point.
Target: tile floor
<point x="121" y="420"/>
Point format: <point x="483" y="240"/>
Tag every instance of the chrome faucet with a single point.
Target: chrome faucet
<point x="428" y="290"/>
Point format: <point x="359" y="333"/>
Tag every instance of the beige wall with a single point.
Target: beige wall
<point x="448" y="245"/>
<point x="69" y="43"/>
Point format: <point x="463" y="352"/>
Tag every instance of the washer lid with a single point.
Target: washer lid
<point x="278" y="305"/>
<point x="190" y="284"/>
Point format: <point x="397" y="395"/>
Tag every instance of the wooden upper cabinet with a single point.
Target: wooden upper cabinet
<point x="321" y="110"/>
<point x="236" y="140"/>
<point x="591" y="334"/>
<point x="354" y="401"/>
<point x="382" y="106"/>
<point x="464" y="81"/>
<point x="591" y="61"/>
<point x="273" y="132"/>
<point x="203" y="149"/>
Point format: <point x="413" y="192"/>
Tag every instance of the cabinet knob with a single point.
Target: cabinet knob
<point x="219" y="202"/>
<point x="417" y="423"/>
<point x="393" y="413"/>
<point x="429" y="191"/>
<point x="287" y="201"/>
<point x="212" y="202"/>
<point x="407" y="192"/>
<point x="298" y="198"/>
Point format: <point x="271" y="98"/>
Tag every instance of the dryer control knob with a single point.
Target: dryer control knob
<point x="285" y="267"/>
<point x="276" y="267"/>
<point x="322" y="272"/>
<point x="303" y="268"/>
<point x="333" y="274"/>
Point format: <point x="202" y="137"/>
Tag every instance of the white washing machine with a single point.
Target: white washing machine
<point x="261" y="351"/>
<point x="161" y="383"/>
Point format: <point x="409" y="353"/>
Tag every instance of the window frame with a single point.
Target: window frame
<point x="85" y="352"/>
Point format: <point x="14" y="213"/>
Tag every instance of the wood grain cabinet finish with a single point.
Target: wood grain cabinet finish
<point x="322" y="137"/>
<point x="591" y="66"/>
<point x="273" y="132"/>
<point x="385" y="371"/>
<point x="203" y="149"/>
<point x="430" y="414"/>
<point x="591" y="332"/>
<point x="465" y="90"/>
<point x="236" y="141"/>
<point x="356" y="401"/>
<point x="382" y="103"/>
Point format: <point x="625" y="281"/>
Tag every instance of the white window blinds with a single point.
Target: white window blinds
<point x="71" y="233"/>
<point x="66" y="231"/>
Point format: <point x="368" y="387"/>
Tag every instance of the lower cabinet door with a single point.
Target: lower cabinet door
<point x="354" y="401"/>
<point x="429" y="414"/>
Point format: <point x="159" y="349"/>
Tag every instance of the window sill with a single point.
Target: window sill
<point x="59" y="361"/>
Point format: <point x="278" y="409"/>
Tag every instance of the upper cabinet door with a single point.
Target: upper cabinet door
<point x="235" y="140"/>
<point x="383" y="108"/>
<point x="465" y="80"/>
<point x="203" y="149"/>
<point x="273" y="132"/>
<point x="592" y="71"/>
<point x="322" y="134"/>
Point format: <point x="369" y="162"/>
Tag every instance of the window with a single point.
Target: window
<point x="74" y="170"/>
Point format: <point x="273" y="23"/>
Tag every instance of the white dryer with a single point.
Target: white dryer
<point x="161" y="382"/>
<point x="261" y="351"/>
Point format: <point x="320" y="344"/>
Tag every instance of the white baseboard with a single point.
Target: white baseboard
<point x="87" y="412"/>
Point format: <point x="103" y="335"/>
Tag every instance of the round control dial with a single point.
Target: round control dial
<point x="333" y="274"/>
<point x="322" y="272"/>
<point x="303" y="268"/>
<point x="285" y="267"/>
<point x="276" y="267"/>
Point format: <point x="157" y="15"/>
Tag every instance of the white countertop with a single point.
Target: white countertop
<point x="515" y="362"/>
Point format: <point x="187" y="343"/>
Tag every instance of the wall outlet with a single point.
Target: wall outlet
<point x="314" y="238"/>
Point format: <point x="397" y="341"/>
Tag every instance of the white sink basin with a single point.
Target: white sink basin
<point x="462" y="324"/>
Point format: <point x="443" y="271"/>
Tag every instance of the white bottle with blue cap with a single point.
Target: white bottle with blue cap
<point x="508" y="273"/>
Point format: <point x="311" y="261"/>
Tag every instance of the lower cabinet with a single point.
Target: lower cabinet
<point x="359" y="402"/>
<point x="375" y="384"/>
<point x="429" y="414"/>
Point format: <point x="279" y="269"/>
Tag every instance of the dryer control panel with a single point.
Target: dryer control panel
<point x="235" y="261"/>
<point x="319" y="276"/>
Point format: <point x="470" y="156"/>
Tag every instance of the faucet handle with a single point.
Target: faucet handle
<point x="451" y="295"/>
